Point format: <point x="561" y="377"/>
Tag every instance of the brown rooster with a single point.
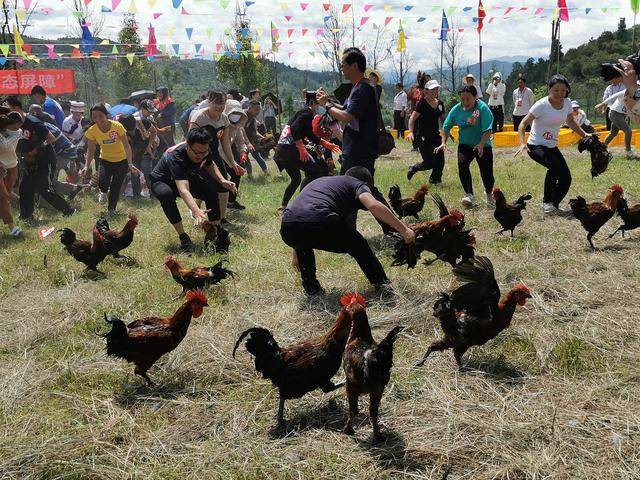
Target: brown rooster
<point x="630" y="217"/>
<point x="594" y="215"/>
<point x="508" y="215"/>
<point x="305" y="366"/>
<point x="115" y="241"/>
<point x="89" y="253"/>
<point x="367" y="366"/>
<point x="196" y="278"/>
<point x="216" y="237"/>
<point x="474" y="313"/>
<point x="144" y="341"/>
<point x="445" y="237"/>
<point x="405" y="207"/>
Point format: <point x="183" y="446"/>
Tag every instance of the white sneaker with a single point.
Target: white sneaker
<point x="469" y="200"/>
<point x="490" y="202"/>
<point x="102" y="197"/>
<point x="16" y="232"/>
<point x="549" y="209"/>
<point x="631" y="155"/>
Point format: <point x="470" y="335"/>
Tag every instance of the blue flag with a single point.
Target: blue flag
<point x="88" y="42"/>
<point x="444" y="28"/>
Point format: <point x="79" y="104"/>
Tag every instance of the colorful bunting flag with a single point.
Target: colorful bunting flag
<point x="564" y="11"/>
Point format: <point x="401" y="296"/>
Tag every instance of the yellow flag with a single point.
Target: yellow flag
<point x="17" y="39"/>
<point x="21" y="15"/>
<point x="130" y="57"/>
<point x="401" y="39"/>
<point x="151" y="3"/>
<point x="104" y="42"/>
<point x="132" y="7"/>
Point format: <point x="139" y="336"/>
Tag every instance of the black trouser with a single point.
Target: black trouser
<point x="235" y="178"/>
<point x="288" y="159"/>
<point x="416" y="129"/>
<point x="517" y="119"/>
<point x="399" y="122"/>
<point x="39" y="181"/>
<point x="466" y="155"/>
<point x="558" y="179"/>
<point x="607" y="120"/>
<point x="270" y="125"/>
<point x="336" y="237"/>
<point x="201" y="185"/>
<point x="111" y="175"/>
<point x="430" y="161"/>
<point x="498" y="118"/>
<point x="144" y="163"/>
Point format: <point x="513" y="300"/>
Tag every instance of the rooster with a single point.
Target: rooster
<point x="445" y="237"/>
<point x="89" y="253"/>
<point x="474" y="313"/>
<point x="630" y="217"/>
<point x="144" y="341"/>
<point x="197" y="278"/>
<point x="304" y="366"/>
<point x="405" y="207"/>
<point x="600" y="156"/>
<point x="508" y="216"/>
<point x="215" y="237"/>
<point x="594" y="215"/>
<point x="367" y="366"/>
<point x="114" y="241"/>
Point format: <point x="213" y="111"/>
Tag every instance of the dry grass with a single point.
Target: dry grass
<point x="555" y="396"/>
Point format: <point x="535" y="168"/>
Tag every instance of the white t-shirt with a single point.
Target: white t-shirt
<point x="496" y="94"/>
<point x="523" y="101"/>
<point x="73" y="129"/>
<point x="8" y="142"/>
<point x="618" y="105"/>
<point x="547" y="122"/>
<point x="400" y="101"/>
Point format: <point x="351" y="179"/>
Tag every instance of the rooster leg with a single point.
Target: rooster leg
<point x="511" y="233"/>
<point x="330" y="386"/>
<point x="144" y="375"/>
<point x="352" y="397"/>
<point x="374" y="405"/>
<point x="281" y="412"/>
<point x="616" y="231"/>
<point x="458" y="352"/>
<point x="433" y="260"/>
<point x="500" y="232"/>
<point x="434" y="347"/>
<point x="589" y="237"/>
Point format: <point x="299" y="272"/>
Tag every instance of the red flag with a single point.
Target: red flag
<point x="564" y="11"/>
<point x="152" y="46"/>
<point x="481" y="15"/>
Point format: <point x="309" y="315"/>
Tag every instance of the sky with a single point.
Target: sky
<point x="524" y="31"/>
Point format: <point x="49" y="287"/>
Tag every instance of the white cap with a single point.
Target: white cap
<point x="469" y="75"/>
<point x="431" y="84"/>
<point x="575" y="104"/>
<point x="77" y="106"/>
<point x="497" y="75"/>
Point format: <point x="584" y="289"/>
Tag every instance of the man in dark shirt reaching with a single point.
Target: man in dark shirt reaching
<point x="323" y="217"/>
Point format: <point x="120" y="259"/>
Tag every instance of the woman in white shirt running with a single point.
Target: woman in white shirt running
<point x="10" y="134"/>
<point x="546" y="117"/>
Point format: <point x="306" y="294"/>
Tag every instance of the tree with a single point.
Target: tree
<point x="239" y="67"/>
<point x="128" y="78"/>
<point x="621" y="33"/>
<point x="171" y="76"/>
<point x="331" y="42"/>
<point x="378" y="47"/>
<point x="401" y="64"/>
<point x="452" y="52"/>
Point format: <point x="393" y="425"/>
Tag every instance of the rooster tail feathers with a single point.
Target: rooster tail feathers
<point x="394" y="193"/>
<point x="442" y="208"/>
<point x="623" y="207"/>
<point x="265" y="350"/>
<point x="523" y="199"/>
<point x="379" y="360"/>
<point x="405" y="254"/>
<point x="103" y="225"/>
<point x="475" y="270"/>
<point x="67" y="236"/>
<point x="117" y="337"/>
<point x="219" y="272"/>
<point x="392" y="335"/>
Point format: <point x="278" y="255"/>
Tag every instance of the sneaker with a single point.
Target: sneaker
<point x="186" y="245"/>
<point x="561" y="212"/>
<point x="235" y="206"/>
<point x="16" y="232"/>
<point x="434" y="181"/>
<point x="146" y="194"/>
<point x="469" y="200"/>
<point x="549" y="209"/>
<point x="412" y="171"/>
<point x="102" y="197"/>
<point x="631" y="155"/>
<point x="75" y="192"/>
<point x="490" y="201"/>
<point x="70" y="212"/>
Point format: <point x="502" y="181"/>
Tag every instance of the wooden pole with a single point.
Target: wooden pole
<point x="480" y="55"/>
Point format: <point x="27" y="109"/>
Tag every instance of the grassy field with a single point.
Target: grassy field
<point x="555" y="396"/>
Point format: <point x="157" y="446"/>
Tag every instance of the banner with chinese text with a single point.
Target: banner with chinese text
<point x="20" y="82"/>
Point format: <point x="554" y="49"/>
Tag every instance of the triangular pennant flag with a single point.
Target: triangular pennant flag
<point x="538" y="11"/>
<point x="197" y="47"/>
<point x="4" y="48"/>
<point x="208" y="32"/>
<point x="346" y="7"/>
<point x="387" y="20"/>
<point x="189" y="31"/>
<point x="105" y="9"/>
<point x="114" y="50"/>
<point x="3" y="60"/>
<point x="152" y="3"/>
<point x="290" y="32"/>
<point x="368" y="7"/>
<point x="363" y="20"/>
<point x="183" y="11"/>
<point x="387" y="8"/>
<point x="288" y="17"/>
<point x="326" y="6"/>
<point x="248" y="4"/>
<point x="402" y="46"/>
<point x="176" y="48"/>
<point x="76" y="53"/>
<point x="156" y="16"/>
<point x="587" y="10"/>
<point x="303" y="6"/>
<point x="408" y="8"/>
<point x="17" y="40"/>
<point x="507" y="11"/>
<point x="132" y="8"/>
<point x="27" y="4"/>
<point x="422" y="19"/>
<point x="224" y="4"/>
<point x="114" y="4"/>
<point x="304" y="31"/>
<point x="130" y="57"/>
<point x="104" y="42"/>
<point x="466" y="9"/>
<point x="176" y="3"/>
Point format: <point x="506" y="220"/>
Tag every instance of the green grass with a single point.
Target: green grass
<point x="543" y="400"/>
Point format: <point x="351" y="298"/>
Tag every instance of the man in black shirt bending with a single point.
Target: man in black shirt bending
<point x="323" y="217"/>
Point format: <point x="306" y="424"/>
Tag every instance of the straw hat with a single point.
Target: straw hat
<point x="370" y="71"/>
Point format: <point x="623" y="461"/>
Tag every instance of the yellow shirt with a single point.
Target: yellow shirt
<point x="111" y="147"/>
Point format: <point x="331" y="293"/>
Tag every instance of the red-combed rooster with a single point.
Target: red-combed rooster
<point x="594" y="215"/>
<point x="474" y="313"/>
<point x="629" y="215"/>
<point x="89" y="253"/>
<point x="144" y="341"/>
<point x="305" y="366"/>
<point x="445" y="237"/>
<point x="115" y="241"/>
<point x="405" y="207"/>
<point x="508" y="215"/>
<point x="197" y="278"/>
<point x="367" y="366"/>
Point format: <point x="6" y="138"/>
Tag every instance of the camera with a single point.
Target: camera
<point x="310" y="97"/>
<point x="608" y="72"/>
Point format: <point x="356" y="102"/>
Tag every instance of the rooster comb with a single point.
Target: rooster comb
<point x="168" y="259"/>
<point x="456" y="213"/>
<point x="349" y="298"/>
<point x="496" y="190"/>
<point x="424" y="187"/>
<point x="617" y="188"/>
<point x="133" y="218"/>
<point x="522" y="288"/>
<point x="198" y="296"/>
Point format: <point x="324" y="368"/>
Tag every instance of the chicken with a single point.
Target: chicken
<point x="304" y="366"/>
<point x="474" y="313"/>
<point x="445" y="237"/>
<point x="508" y="215"/>
<point x="114" y="241"/>
<point x="89" y="253"/>
<point x="600" y="156"/>
<point x="405" y="207"/>
<point x="367" y="366"/>
<point x="197" y="278"/>
<point x="594" y="215"/>
<point x="144" y="341"/>
<point x="215" y="237"/>
<point x="630" y="217"/>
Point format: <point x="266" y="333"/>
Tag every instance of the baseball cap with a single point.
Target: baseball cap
<point x="497" y="75"/>
<point x="469" y="75"/>
<point x="575" y="104"/>
<point x="431" y="84"/>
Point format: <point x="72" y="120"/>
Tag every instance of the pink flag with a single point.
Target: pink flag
<point x="363" y="20"/>
<point x="152" y="45"/>
<point x="346" y="7"/>
<point x="538" y="11"/>
<point x="368" y="7"/>
<point x="387" y="20"/>
<point x="304" y="6"/>
<point x="114" y="4"/>
<point x="564" y="11"/>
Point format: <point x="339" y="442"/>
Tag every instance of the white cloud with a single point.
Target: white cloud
<point x="521" y="33"/>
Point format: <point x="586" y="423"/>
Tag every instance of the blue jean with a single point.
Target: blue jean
<point x="144" y="163"/>
<point x="256" y="155"/>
